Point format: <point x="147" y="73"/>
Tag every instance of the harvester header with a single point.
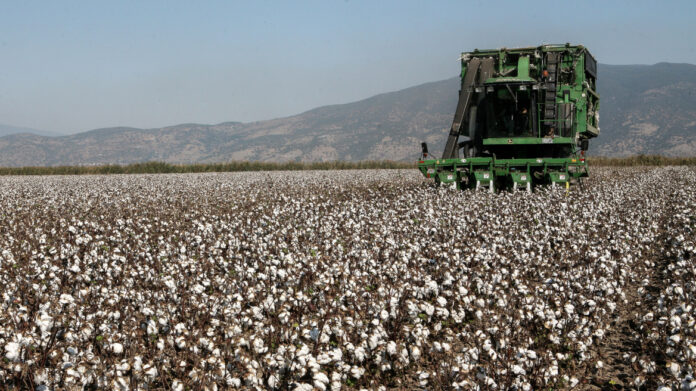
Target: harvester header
<point x="524" y="118"/>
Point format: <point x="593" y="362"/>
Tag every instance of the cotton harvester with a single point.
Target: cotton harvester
<point x="524" y="118"/>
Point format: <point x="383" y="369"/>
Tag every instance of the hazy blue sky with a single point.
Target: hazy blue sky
<point x="71" y="66"/>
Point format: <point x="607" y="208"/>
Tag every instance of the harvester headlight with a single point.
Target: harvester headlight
<point x="523" y="88"/>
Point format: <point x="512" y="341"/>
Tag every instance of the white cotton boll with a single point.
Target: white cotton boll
<point x="312" y="364"/>
<point x="437" y="347"/>
<point x="688" y="384"/>
<point x="675" y="321"/>
<point x="160" y="344"/>
<point x="428" y="308"/>
<point x="518" y="370"/>
<point x="177" y="385"/>
<point x="259" y="346"/>
<point x="12" y="351"/>
<point x="674" y="369"/>
<point x="273" y="381"/>
<point x="692" y="351"/>
<point x="441" y="301"/>
<point x="573" y="382"/>
<point x="45" y="323"/>
<point x="553" y="370"/>
<point x="117" y="348"/>
<point x="423" y="378"/>
<point x="356" y="371"/>
<point x="649" y="317"/>
<point x="336" y="355"/>
<point x="569" y="308"/>
<point x="336" y="383"/>
<point x="415" y="353"/>
<point x="384" y="315"/>
<point x="180" y="328"/>
<point x="320" y="380"/>
<point x="137" y="364"/>
<point x="674" y="339"/>
<point x="151" y="327"/>
<point x="304" y="387"/>
<point x="323" y="359"/>
<point x="233" y="381"/>
<point x="66" y="299"/>
<point x="123" y="366"/>
<point x="151" y="371"/>
<point x="391" y="348"/>
<point x="360" y="354"/>
<point x="121" y="383"/>
<point x="373" y="341"/>
<point x="403" y="356"/>
<point x="180" y="342"/>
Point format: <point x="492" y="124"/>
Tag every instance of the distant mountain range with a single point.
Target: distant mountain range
<point x="648" y="109"/>
<point x="6" y="130"/>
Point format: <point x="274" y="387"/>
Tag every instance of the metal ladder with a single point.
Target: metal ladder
<point x="550" y="114"/>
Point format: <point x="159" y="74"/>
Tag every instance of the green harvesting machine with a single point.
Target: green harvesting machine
<point x="524" y="118"/>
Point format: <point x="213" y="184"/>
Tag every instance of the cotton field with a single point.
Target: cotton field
<point x="347" y="280"/>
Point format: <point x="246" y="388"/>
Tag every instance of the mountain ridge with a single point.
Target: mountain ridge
<point x="645" y="109"/>
<point x="6" y="130"/>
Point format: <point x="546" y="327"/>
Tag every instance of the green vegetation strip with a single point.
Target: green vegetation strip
<point x="166" y="168"/>
<point x="641" y="160"/>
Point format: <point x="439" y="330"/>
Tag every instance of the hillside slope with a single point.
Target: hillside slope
<point x="648" y="109"/>
<point x="644" y="109"/>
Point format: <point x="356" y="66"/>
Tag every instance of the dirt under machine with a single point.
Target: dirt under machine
<point x="524" y="118"/>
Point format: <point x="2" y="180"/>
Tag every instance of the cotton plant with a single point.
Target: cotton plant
<point x="367" y="279"/>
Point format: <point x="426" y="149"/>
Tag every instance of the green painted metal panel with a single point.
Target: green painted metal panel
<point x="523" y="67"/>
<point x="528" y="140"/>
